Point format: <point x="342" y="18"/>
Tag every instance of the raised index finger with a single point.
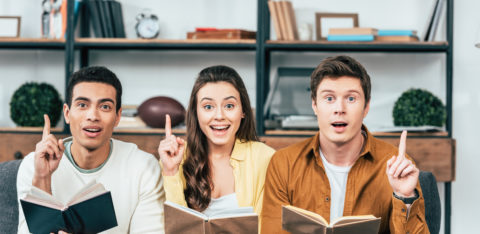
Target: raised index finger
<point x="403" y="144"/>
<point x="168" y="126"/>
<point x="46" y="126"/>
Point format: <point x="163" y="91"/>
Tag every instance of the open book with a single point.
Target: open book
<point x="297" y="220"/>
<point x="180" y="219"/>
<point x="89" y="211"/>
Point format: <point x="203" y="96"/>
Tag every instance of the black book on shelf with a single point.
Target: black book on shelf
<point x="107" y="17"/>
<point x="434" y="20"/>
<point x="103" y="17"/>
<point x="117" y="19"/>
<point x="94" y="14"/>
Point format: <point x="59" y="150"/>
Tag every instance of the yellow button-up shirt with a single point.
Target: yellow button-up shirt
<point x="249" y="161"/>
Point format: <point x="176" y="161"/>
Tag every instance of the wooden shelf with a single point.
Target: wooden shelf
<point x="147" y="131"/>
<point x="31" y="43"/>
<point x="372" y="46"/>
<point x="187" y="44"/>
<point x="377" y="134"/>
<point x="28" y="130"/>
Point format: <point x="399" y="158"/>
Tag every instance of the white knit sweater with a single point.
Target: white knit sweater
<point x="133" y="177"/>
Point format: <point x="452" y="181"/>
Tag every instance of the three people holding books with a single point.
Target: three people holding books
<point x="342" y="170"/>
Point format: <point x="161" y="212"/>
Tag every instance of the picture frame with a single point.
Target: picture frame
<point x="10" y="26"/>
<point x="325" y="21"/>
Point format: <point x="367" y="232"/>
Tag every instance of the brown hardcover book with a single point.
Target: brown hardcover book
<point x="297" y="220"/>
<point x="292" y="20"/>
<point x="288" y="20"/>
<point x="222" y="34"/>
<point x="397" y="38"/>
<point x="282" y="19"/>
<point x="352" y="31"/>
<point x="274" y="15"/>
<point x="179" y="219"/>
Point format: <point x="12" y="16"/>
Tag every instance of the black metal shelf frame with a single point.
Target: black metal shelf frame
<point x="27" y="45"/>
<point x="164" y="46"/>
<point x="368" y="48"/>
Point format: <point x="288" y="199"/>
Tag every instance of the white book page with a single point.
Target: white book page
<point x="90" y="190"/>
<point x="351" y="219"/>
<point x="187" y="210"/>
<point x="43" y="198"/>
<point x="237" y="212"/>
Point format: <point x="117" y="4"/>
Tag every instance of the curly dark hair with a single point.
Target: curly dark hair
<point x="197" y="169"/>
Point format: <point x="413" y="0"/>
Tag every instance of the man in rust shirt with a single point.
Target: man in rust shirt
<point x="343" y="170"/>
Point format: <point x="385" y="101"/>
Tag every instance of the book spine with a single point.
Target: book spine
<point x="118" y="19"/>
<point x="350" y="37"/>
<point x="107" y="18"/>
<point x="63" y="12"/>
<point x="397" y="38"/>
<point x="288" y="23"/>
<point x="396" y="33"/>
<point x="95" y="18"/>
<point x="207" y="227"/>
<point x="352" y="31"/>
<point x="72" y="223"/>
<point x="430" y="24"/>
<point x="436" y="20"/>
<point x="282" y="20"/>
<point x="293" y="21"/>
<point x="76" y="12"/>
<point x="274" y="17"/>
<point x="103" y="20"/>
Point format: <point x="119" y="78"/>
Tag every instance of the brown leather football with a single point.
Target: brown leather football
<point x="153" y="111"/>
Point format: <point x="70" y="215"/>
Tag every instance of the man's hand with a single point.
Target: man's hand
<point x="401" y="172"/>
<point x="48" y="153"/>
<point x="170" y="150"/>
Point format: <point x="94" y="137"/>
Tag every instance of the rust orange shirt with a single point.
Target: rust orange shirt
<point x="296" y="176"/>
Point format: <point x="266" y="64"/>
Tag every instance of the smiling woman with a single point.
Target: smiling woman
<point x="223" y="158"/>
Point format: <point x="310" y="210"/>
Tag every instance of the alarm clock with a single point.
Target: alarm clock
<point x="147" y="26"/>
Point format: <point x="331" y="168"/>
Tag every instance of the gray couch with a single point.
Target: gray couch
<point x="9" y="205"/>
<point x="8" y="197"/>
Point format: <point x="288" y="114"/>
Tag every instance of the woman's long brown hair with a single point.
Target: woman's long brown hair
<point x="196" y="168"/>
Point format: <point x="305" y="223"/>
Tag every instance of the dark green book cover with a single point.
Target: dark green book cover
<point x="90" y="216"/>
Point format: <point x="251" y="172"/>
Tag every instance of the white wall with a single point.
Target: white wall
<point x="149" y="73"/>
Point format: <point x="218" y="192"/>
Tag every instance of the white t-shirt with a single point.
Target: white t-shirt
<point x="132" y="176"/>
<point x="227" y="202"/>
<point x="337" y="177"/>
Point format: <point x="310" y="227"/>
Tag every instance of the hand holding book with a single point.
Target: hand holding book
<point x="179" y="219"/>
<point x="89" y="211"/>
<point x="297" y="220"/>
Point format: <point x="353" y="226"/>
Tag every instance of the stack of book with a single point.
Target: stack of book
<point x="106" y="18"/>
<point x="284" y="22"/>
<point x="214" y="33"/>
<point x="397" y="35"/>
<point x="351" y="34"/>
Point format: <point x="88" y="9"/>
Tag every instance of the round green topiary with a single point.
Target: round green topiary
<point x="417" y="107"/>
<point x="31" y="101"/>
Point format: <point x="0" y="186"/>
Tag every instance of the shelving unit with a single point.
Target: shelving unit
<point x="440" y="159"/>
